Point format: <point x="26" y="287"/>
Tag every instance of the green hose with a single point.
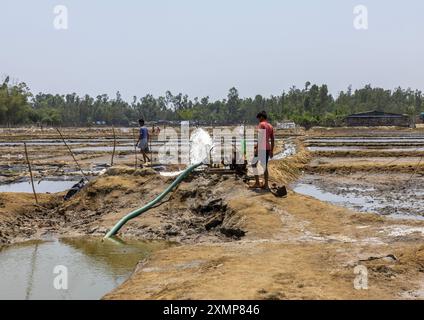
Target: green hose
<point x="148" y="206"/>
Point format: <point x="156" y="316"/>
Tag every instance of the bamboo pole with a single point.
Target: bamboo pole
<point x="30" y="173"/>
<point x="72" y="154"/>
<point x="114" y="146"/>
<point x="135" y="149"/>
<point x="150" y="145"/>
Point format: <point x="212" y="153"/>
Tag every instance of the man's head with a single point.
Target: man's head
<point x="141" y="122"/>
<point x="262" y="116"/>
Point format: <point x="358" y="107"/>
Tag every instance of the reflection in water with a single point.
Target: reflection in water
<point x="31" y="273"/>
<point x="94" y="267"/>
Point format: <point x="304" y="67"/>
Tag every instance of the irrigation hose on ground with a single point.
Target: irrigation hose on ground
<point x="148" y="206"/>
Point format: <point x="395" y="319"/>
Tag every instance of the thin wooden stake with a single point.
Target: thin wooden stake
<point x="114" y="146"/>
<point x="135" y="149"/>
<point x="30" y="173"/>
<point x="72" y="154"/>
<point x="150" y="146"/>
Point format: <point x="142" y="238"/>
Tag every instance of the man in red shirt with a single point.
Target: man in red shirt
<point x="264" y="149"/>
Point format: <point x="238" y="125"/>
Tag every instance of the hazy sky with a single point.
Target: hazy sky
<point x="204" y="47"/>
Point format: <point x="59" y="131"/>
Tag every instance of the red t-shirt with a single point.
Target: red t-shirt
<point x="266" y="138"/>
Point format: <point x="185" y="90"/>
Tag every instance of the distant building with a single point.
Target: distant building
<point x="286" y="125"/>
<point x="377" y="118"/>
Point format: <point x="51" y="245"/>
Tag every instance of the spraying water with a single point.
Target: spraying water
<point x="171" y="173"/>
<point x="200" y="146"/>
<point x="289" y="150"/>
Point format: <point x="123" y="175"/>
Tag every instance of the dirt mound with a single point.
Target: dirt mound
<point x="20" y="217"/>
<point x="198" y="209"/>
<point x="287" y="170"/>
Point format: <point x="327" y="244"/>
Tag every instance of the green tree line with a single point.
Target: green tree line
<point x="310" y="105"/>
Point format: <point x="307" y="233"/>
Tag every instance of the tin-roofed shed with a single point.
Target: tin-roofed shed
<point x="377" y="118"/>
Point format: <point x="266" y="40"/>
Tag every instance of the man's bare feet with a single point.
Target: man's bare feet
<point x="256" y="186"/>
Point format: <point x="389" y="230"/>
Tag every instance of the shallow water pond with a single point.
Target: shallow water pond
<point x="395" y="195"/>
<point x="104" y="149"/>
<point x="93" y="267"/>
<point x="44" y="186"/>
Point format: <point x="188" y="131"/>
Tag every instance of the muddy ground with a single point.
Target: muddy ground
<point x="236" y="243"/>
